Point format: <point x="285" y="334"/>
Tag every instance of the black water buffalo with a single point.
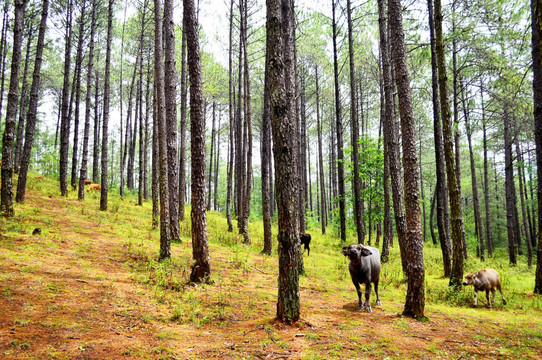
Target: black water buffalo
<point x="364" y="269"/>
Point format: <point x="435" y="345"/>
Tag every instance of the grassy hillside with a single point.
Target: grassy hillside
<point x="90" y="287"/>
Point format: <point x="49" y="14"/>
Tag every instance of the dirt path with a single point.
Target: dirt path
<point x="83" y="291"/>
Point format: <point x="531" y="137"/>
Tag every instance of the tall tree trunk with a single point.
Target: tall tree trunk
<point x="126" y="157"/>
<point x="65" y="119"/>
<point x="456" y="124"/>
<point x="78" y="66"/>
<point x="248" y="129"/>
<point x="339" y="129"/>
<point x="146" y="144"/>
<point x="456" y="277"/>
<point x="96" y="138"/>
<point x="231" y="123"/>
<point x="217" y="162"/>
<point x="534" y="217"/>
<point x="415" y="299"/>
<point x="22" y="102"/>
<point x="170" y="85"/>
<point x="310" y="177"/>
<point x="165" y="230"/>
<point x="3" y="52"/>
<point x="182" y="158"/>
<point x="121" y="101"/>
<point x="105" y="120"/>
<point x="141" y="138"/>
<point x="280" y="68"/>
<point x="520" y="165"/>
<point x="322" y="201"/>
<point x="486" y="180"/>
<point x="6" y="188"/>
<point x="388" y="224"/>
<point x="201" y="268"/>
<point x="431" y="215"/>
<point x="536" y="16"/>
<point x="240" y="164"/>
<point x="510" y="190"/>
<point x="84" y="159"/>
<point x="303" y="152"/>
<point x="421" y="186"/>
<point x="155" y="167"/>
<point x="211" y="157"/>
<point x="391" y="138"/>
<point x="32" y="105"/>
<point x="355" y="132"/>
<point x="476" y="202"/>
<point x="266" y="148"/>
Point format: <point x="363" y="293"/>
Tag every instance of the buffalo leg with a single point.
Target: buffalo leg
<point x="378" y="302"/>
<point x="358" y="289"/>
<point x="367" y="304"/>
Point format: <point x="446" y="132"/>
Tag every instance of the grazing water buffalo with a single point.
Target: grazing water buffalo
<point x="305" y="241"/>
<point x="364" y="269"/>
<point x="485" y="280"/>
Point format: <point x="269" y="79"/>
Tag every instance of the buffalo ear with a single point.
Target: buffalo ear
<point x="364" y="251"/>
<point x="345" y="250"/>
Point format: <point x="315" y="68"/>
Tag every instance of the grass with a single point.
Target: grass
<point x="93" y="279"/>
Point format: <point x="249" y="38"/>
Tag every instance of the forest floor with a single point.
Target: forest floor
<point x="89" y="287"/>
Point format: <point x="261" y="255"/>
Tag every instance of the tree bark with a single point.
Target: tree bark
<point x="340" y="140"/>
<point x="248" y="129"/>
<point x="536" y="16"/>
<point x="520" y="165"/>
<point x="32" y="105"/>
<point x="171" y="119"/>
<point x="217" y="162"/>
<point x="78" y="66"/>
<point x="96" y="138"/>
<point x="354" y="123"/>
<point x="146" y="144"/>
<point x="456" y="277"/>
<point x="155" y="166"/>
<point x="431" y="215"/>
<point x="6" y="188"/>
<point x="201" y="268"/>
<point x="266" y="148"/>
<point x="3" y="52"/>
<point x="105" y="120"/>
<point x="322" y="198"/>
<point x="489" y="238"/>
<point x="415" y="299"/>
<point x="211" y="157"/>
<point x="510" y="191"/>
<point x="232" y="124"/>
<point x="182" y="159"/>
<point x="84" y="159"/>
<point x="391" y="138"/>
<point x="303" y="152"/>
<point x="125" y="150"/>
<point x="165" y="229"/>
<point x="65" y="119"/>
<point x="476" y="202"/>
<point x="280" y="68"/>
<point x="23" y="102"/>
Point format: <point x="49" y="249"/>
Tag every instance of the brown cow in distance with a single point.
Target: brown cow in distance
<point x="88" y="182"/>
<point x="96" y="187"/>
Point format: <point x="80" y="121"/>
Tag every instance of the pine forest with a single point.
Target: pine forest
<point x="270" y="179"/>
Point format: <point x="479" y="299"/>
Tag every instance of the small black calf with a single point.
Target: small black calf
<point x="305" y="241"/>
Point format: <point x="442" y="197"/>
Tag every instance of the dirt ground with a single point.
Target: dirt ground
<point x="76" y="293"/>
